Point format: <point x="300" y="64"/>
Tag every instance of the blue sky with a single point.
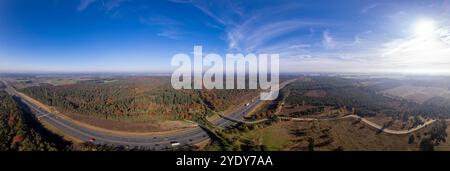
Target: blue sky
<point x="142" y="36"/>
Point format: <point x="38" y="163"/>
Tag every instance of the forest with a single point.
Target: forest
<point x="135" y="99"/>
<point x="15" y="133"/>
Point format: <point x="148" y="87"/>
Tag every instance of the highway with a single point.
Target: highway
<point x="153" y="142"/>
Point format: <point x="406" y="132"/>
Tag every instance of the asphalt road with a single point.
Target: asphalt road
<point x="156" y="142"/>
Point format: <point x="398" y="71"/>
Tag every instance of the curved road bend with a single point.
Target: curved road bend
<point x="370" y="123"/>
<point x="390" y="131"/>
<point x="151" y="142"/>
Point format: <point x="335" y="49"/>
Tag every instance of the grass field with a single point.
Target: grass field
<point x="356" y="136"/>
<point x="346" y="134"/>
<point x="274" y="137"/>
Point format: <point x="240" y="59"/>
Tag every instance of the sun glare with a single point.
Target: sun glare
<point x="424" y="28"/>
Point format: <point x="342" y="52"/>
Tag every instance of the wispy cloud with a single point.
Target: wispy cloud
<point x="181" y="1"/>
<point x="249" y="30"/>
<point x="214" y="26"/>
<point x="84" y="4"/>
<point x="358" y="40"/>
<point x="273" y="30"/>
<point x="440" y="39"/>
<point x="328" y="41"/>
<point x="444" y="35"/>
<point x="224" y="12"/>
<point x="107" y="5"/>
<point x="368" y="8"/>
<point x="169" y="27"/>
<point x="112" y="4"/>
<point x="299" y="46"/>
<point x="251" y="36"/>
<point x="159" y="21"/>
<point x="265" y="30"/>
<point x="170" y="33"/>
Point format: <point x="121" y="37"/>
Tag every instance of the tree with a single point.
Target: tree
<point x="15" y="133"/>
<point x="311" y="144"/>
<point x="438" y="132"/>
<point x="340" y="148"/>
<point x="411" y="139"/>
<point x="426" y="144"/>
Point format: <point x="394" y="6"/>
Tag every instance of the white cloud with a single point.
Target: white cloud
<point x="328" y="41"/>
<point x="225" y="13"/>
<point x="214" y="26"/>
<point x="418" y="54"/>
<point x="159" y="20"/>
<point x="444" y="35"/>
<point x="265" y="31"/>
<point x="358" y="40"/>
<point x="169" y="28"/>
<point x="170" y="33"/>
<point x="84" y="4"/>
<point x="248" y="30"/>
<point x="368" y="8"/>
<point x="405" y="55"/>
<point x="300" y="46"/>
<point x="107" y="5"/>
<point x="112" y="4"/>
<point x="251" y="36"/>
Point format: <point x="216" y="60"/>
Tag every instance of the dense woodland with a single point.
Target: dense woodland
<point x="135" y="98"/>
<point x="15" y="134"/>
<point x="363" y="100"/>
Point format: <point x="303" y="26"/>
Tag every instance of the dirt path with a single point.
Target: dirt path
<point x="372" y="124"/>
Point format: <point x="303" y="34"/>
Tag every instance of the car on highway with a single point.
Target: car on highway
<point x="175" y="143"/>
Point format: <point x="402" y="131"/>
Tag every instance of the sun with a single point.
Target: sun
<point x="424" y="28"/>
<point x="426" y="51"/>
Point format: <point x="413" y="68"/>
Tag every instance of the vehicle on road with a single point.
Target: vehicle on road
<point x="175" y="143"/>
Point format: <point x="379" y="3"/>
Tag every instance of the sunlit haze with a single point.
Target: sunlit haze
<point x="424" y="28"/>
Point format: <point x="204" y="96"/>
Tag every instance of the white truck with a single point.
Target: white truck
<point x="175" y="143"/>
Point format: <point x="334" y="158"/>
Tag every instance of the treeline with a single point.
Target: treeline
<point x="342" y="92"/>
<point x="434" y="137"/>
<point x="307" y="112"/>
<point x="219" y="100"/>
<point x="135" y="99"/>
<point x="362" y="100"/>
<point x="15" y="134"/>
